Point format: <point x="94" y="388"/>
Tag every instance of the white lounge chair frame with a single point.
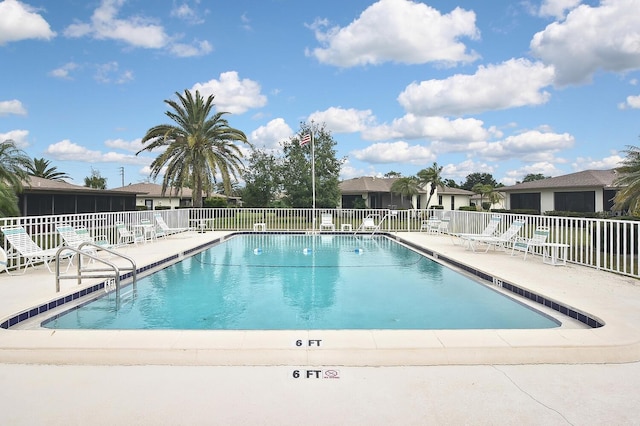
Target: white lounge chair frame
<point x="125" y="235"/>
<point x="502" y="240"/>
<point x="99" y="240"/>
<point x="22" y="244"/>
<point x="488" y="231"/>
<point x="71" y="238"/>
<point x="165" y="228"/>
<point x="526" y="245"/>
<point x="327" y="222"/>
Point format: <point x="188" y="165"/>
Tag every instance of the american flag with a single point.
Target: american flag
<point x="306" y="139"/>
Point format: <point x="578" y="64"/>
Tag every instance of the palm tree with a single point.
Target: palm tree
<point x="431" y="175"/>
<point x="406" y="187"/>
<point x="96" y="180"/>
<point x="13" y="164"/>
<point x="628" y="197"/>
<point x="488" y="190"/>
<point x="197" y="148"/>
<point x="40" y="168"/>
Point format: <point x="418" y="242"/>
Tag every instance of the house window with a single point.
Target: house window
<point x="148" y="204"/>
<point x="525" y="201"/>
<point x="453" y="202"/>
<point x="584" y="201"/>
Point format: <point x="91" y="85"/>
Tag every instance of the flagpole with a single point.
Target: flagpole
<point x="313" y="178"/>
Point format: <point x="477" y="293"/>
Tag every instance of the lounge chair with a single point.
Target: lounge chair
<point x="327" y="222"/>
<point x="125" y="236"/>
<point x="369" y="223"/>
<point x="501" y="240"/>
<point x="165" y="228"/>
<point x="431" y="225"/>
<point x="443" y="226"/>
<point x="22" y="243"/>
<point x="100" y="240"/>
<point x="526" y="245"/>
<point x="71" y="239"/>
<point x="4" y="260"/>
<point x="488" y="231"/>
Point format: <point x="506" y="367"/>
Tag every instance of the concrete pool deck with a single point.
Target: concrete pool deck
<point x="583" y="376"/>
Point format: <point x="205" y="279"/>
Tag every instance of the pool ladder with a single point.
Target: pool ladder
<point x="110" y="271"/>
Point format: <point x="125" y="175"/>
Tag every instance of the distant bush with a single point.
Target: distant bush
<point x="467" y="208"/>
<point x="141" y="208"/>
<point x="213" y="202"/>
<point x="162" y="208"/>
<point x="437" y="207"/>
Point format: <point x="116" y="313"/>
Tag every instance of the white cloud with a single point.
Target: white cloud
<point x="187" y="14"/>
<point x="544" y="168"/>
<point x="341" y="120"/>
<point x="232" y="94"/>
<point x="136" y="31"/>
<point x="606" y="37"/>
<point x="64" y="71"/>
<point x="67" y="150"/>
<point x="461" y="170"/>
<point x="557" y="8"/>
<point x="18" y="136"/>
<point x="514" y="83"/>
<point x="395" y="152"/>
<point x="433" y="128"/>
<point x="19" y="21"/>
<point x="131" y="146"/>
<point x="530" y="146"/>
<point x="110" y="73"/>
<point x="588" y="163"/>
<point x="13" y="106"/>
<point x="198" y="48"/>
<point x="631" y="102"/>
<point x="400" y="31"/>
<point x="270" y="135"/>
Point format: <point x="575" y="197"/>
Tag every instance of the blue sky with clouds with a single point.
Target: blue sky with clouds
<point x="508" y="88"/>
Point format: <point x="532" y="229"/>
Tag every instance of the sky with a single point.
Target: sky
<point x="503" y="87"/>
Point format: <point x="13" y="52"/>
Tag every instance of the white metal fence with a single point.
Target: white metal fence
<point x="610" y="245"/>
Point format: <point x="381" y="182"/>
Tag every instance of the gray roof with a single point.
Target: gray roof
<point x="155" y="190"/>
<point x="37" y="184"/>
<point x="375" y="184"/>
<point x="583" y="179"/>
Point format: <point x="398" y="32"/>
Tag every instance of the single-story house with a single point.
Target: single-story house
<point x="46" y="197"/>
<point x="586" y="191"/>
<point x="149" y="195"/>
<point x="377" y="194"/>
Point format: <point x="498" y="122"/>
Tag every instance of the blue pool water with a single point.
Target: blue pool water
<point x="275" y="282"/>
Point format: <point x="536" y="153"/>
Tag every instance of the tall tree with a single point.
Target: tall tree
<point x="431" y="176"/>
<point x="628" y="197"/>
<point x="13" y="165"/>
<point x="40" y="167"/>
<point x="262" y="179"/>
<point x="196" y="148"/>
<point x="406" y="187"/>
<point x="95" y="180"/>
<point x="392" y="174"/>
<point x="450" y="183"/>
<point x="296" y="169"/>
<point x="475" y="178"/>
<point x="531" y="177"/>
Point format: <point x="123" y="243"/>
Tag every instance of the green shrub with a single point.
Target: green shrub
<point x="213" y="202"/>
<point x="467" y="208"/>
<point x="437" y="207"/>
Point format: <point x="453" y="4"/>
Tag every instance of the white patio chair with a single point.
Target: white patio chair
<point x="502" y="240"/>
<point x="165" y="228"/>
<point x="327" y="222"/>
<point x="4" y="261"/>
<point x="526" y="245"/>
<point x="488" y="231"/>
<point x="431" y="225"/>
<point x="71" y="239"/>
<point x="125" y="235"/>
<point x="101" y="241"/>
<point x="22" y="244"/>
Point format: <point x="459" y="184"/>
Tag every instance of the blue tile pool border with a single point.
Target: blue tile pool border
<point x="527" y="294"/>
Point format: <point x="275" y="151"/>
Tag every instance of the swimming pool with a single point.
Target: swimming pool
<point x="279" y="282"/>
